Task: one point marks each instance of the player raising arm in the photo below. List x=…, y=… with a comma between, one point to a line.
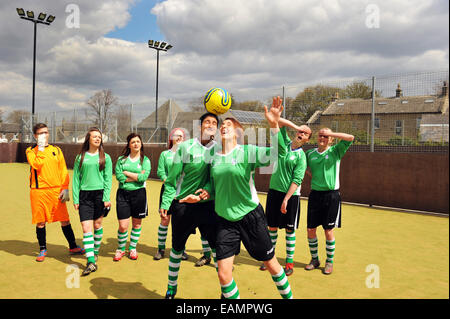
x=324, y=201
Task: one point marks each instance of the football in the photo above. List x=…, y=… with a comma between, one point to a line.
x=217, y=101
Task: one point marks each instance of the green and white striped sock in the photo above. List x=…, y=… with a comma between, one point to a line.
x=98, y=235
x=88, y=243
x=230, y=290
x=330, y=246
x=162, y=235
x=134, y=237
x=122, y=239
x=273, y=236
x=174, y=268
x=283, y=285
x=313, y=247
x=206, y=248
x=213, y=251
x=290, y=246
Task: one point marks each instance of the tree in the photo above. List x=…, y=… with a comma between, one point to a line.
x=358, y=90
x=15, y=117
x=101, y=104
x=311, y=99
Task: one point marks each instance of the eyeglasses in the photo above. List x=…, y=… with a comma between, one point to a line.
x=177, y=135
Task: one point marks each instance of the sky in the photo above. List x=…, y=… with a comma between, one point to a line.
x=252, y=48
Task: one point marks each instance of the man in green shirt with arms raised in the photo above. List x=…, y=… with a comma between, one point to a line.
x=324, y=202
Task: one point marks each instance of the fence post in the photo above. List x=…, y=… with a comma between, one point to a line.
x=372, y=118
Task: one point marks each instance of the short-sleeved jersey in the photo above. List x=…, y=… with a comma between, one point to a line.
x=165, y=163
x=289, y=168
x=189, y=171
x=90, y=178
x=47, y=168
x=232, y=179
x=132, y=166
x=325, y=166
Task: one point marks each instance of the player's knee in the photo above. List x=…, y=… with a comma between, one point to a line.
x=225, y=274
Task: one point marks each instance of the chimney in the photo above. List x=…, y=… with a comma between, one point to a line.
x=398, y=92
x=335, y=97
x=445, y=89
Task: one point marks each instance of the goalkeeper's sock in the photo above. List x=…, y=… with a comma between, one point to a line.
x=70, y=236
x=41, y=237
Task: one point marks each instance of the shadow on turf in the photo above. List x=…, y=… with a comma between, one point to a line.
x=58, y=252
x=104, y=287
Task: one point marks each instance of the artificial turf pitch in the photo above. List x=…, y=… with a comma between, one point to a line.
x=380, y=254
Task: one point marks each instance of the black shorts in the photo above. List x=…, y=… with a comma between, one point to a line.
x=169, y=212
x=187, y=217
x=275, y=218
x=324, y=208
x=91, y=205
x=251, y=230
x=131, y=203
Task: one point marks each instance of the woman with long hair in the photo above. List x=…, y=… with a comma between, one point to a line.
x=91, y=189
x=132, y=170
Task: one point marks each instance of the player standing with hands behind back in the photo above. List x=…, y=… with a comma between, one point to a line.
x=49, y=183
x=91, y=188
x=324, y=202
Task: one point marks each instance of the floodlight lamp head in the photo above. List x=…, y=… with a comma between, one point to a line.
x=50, y=19
x=42, y=16
x=150, y=43
x=20, y=12
x=169, y=47
x=30, y=14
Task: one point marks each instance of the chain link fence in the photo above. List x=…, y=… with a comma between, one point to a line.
x=406, y=112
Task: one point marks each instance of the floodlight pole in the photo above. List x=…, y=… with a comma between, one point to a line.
x=40, y=19
x=34, y=73
x=158, y=46
x=157, y=77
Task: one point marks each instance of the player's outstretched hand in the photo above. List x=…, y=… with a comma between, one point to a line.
x=273, y=115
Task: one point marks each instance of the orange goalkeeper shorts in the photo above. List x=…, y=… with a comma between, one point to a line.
x=46, y=207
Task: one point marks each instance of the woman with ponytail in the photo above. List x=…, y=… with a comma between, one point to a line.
x=132, y=170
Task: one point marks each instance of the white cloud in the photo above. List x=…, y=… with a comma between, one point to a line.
x=251, y=47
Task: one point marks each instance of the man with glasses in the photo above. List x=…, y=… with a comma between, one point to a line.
x=283, y=198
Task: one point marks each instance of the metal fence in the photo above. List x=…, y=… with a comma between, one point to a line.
x=384, y=113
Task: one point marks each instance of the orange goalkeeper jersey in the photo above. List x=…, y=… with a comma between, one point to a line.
x=48, y=168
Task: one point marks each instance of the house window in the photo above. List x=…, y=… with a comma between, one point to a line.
x=398, y=127
x=418, y=120
x=377, y=123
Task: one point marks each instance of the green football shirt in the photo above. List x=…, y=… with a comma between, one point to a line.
x=232, y=178
x=90, y=178
x=325, y=166
x=189, y=171
x=289, y=168
x=132, y=166
x=165, y=163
